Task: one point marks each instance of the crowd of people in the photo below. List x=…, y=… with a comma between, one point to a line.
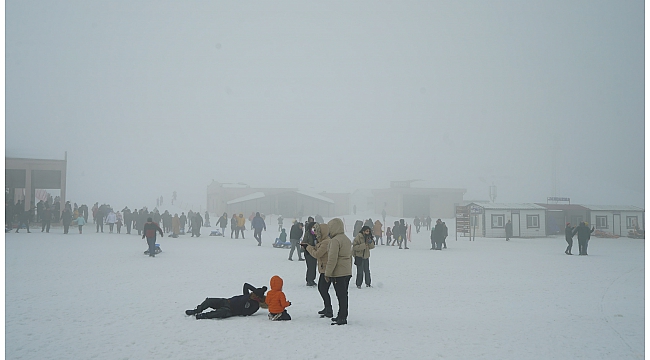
x=324, y=247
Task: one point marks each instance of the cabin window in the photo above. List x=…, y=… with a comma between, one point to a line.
x=497, y=221
x=532, y=221
x=632, y=222
x=601, y=222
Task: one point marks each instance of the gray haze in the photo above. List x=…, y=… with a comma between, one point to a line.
x=539, y=98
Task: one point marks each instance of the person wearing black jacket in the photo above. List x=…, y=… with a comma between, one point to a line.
x=437, y=235
x=66, y=218
x=258, y=225
x=46, y=218
x=126, y=215
x=196, y=222
x=403, y=230
x=584, y=234
x=99, y=218
x=223, y=224
x=310, y=261
x=239, y=305
x=294, y=236
x=149, y=231
x=508, y=230
x=23, y=218
x=568, y=235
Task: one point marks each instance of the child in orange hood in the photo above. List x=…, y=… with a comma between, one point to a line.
x=276, y=300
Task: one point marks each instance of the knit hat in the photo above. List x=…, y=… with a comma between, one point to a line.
x=260, y=291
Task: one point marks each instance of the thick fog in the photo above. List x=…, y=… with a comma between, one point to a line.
x=540, y=99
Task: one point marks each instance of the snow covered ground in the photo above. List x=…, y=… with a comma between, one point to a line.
x=96, y=296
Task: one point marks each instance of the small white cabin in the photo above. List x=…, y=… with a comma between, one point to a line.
x=616, y=219
x=489, y=219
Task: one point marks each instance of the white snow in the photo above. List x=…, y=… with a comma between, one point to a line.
x=96, y=296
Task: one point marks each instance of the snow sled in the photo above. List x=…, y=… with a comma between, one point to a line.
x=216, y=233
x=281, y=245
x=156, y=250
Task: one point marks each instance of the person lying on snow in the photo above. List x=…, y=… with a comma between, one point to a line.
x=240, y=305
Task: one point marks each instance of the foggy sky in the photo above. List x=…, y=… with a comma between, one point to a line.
x=539, y=98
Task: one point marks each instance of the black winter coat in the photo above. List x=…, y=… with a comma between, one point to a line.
x=296, y=232
x=568, y=232
x=583, y=232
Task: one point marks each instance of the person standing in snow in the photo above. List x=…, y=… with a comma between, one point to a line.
x=46, y=218
x=338, y=270
x=149, y=231
x=445, y=233
x=223, y=224
x=258, y=224
x=416, y=222
x=111, y=218
x=319, y=252
x=361, y=247
x=568, y=235
x=207, y=219
x=233, y=226
x=357, y=227
x=126, y=214
x=397, y=235
x=118, y=221
x=437, y=235
x=183, y=220
x=240, y=305
x=197, y=222
x=309, y=238
x=23, y=218
x=584, y=234
x=81, y=222
x=389, y=235
x=280, y=221
x=378, y=232
x=241, y=225
x=190, y=216
x=508, y=230
x=99, y=218
x=66, y=218
x=176, y=226
x=402, y=233
x=294, y=236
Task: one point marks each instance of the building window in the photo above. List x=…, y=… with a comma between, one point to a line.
x=497, y=221
x=532, y=221
x=601, y=222
x=632, y=222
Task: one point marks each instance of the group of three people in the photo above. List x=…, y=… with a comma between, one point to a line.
x=333, y=252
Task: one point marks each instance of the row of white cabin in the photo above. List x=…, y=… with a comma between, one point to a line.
x=538, y=220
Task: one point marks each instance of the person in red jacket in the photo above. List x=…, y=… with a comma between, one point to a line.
x=150, y=229
x=276, y=301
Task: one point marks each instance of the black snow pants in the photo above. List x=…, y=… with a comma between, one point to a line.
x=312, y=263
x=221, y=308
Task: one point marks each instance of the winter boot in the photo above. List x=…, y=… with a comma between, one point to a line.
x=326, y=313
x=340, y=321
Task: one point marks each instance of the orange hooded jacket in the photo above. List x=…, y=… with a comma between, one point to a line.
x=275, y=298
